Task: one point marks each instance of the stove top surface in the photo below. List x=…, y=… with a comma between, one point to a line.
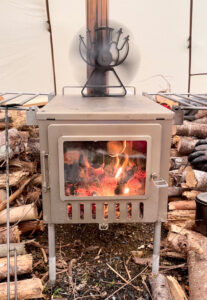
x=73, y=107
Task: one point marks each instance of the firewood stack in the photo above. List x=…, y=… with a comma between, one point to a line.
x=25, y=204
x=185, y=182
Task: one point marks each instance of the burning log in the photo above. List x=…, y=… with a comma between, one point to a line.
x=24, y=265
x=23, y=213
x=14, y=235
x=26, y=289
x=19, y=247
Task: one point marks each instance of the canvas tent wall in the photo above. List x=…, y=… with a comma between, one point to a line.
x=160, y=29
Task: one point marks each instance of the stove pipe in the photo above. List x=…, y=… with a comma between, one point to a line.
x=97, y=16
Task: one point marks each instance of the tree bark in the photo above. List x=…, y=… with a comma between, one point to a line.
x=201, y=114
x=201, y=120
x=14, y=235
x=26, y=289
x=17, y=193
x=186, y=145
x=19, y=247
x=14, y=178
x=177, y=162
x=23, y=213
x=160, y=287
x=174, y=191
x=181, y=215
x=16, y=145
x=183, y=205
x=24, y=265
x=176, y=290
x=196, y=179
x=31, y=226
x=191, y=129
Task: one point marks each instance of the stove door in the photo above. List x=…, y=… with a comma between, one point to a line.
x=103, y=161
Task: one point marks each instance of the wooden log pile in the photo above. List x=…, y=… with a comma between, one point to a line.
x=25, y=205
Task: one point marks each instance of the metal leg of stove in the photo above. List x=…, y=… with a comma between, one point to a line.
x=52, y=255
x=156, y=248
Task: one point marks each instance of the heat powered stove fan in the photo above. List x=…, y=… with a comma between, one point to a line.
x=103, y=54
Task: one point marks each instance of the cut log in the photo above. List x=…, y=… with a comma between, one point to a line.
x=201, y=120
x=190, y=195
x=19, y=247
x=33, y=148
x=31, y=226
x=174, y=191
x=176, y=290
x=177, y=162
x=186, y=145
x=26, y=289
x=191, y=129
x=187, y=224
x=183, y=205
x=160, y=287
x=29, y=166
x=14, y=235
x=16, y=145
x=14, y=178
x=181, y=215
x=37, y=181
x=24, y=265
x=20, y=213
x=201, y=114
x=17, y=193
x=174, y=152
x=2, y=195
x=177, y=176
x=196, y=179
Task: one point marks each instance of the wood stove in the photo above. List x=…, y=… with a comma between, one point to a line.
x=104, y=160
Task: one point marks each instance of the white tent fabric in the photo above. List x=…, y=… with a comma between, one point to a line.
x=25, y=54
x=160, y=29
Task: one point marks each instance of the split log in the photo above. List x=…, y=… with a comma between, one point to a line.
x=19, y=247
x=196, y=179
x=31, y=226
x=176, y=290
x=176, y=176
x=187, y=224
x=182, y=205
x=160, y=287
x=37, y=181
x=191, y=129
x=190, y=195
x=24, y=265
x=2, y=195
x=14, y=178
x=201, y=120
x=186, y=145
x=201, y=114
x=33, y=148
x=16, y=144
x=20, y=213
x=29, y=166
x=174, y=152
x=14, y=235
x=177, y=162
x=17, y=193
x=26, y=289
x=174, y=191
x=181, y=215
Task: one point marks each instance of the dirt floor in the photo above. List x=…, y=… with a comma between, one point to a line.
x=86, y=256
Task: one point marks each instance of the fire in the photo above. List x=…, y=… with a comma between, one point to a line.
x=120, y=169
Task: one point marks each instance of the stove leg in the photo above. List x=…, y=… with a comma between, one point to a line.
x=156, y=248
x=52, y=256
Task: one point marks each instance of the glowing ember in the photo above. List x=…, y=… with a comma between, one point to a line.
x=126, y=190
x=118, y=173
x=105, y=168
